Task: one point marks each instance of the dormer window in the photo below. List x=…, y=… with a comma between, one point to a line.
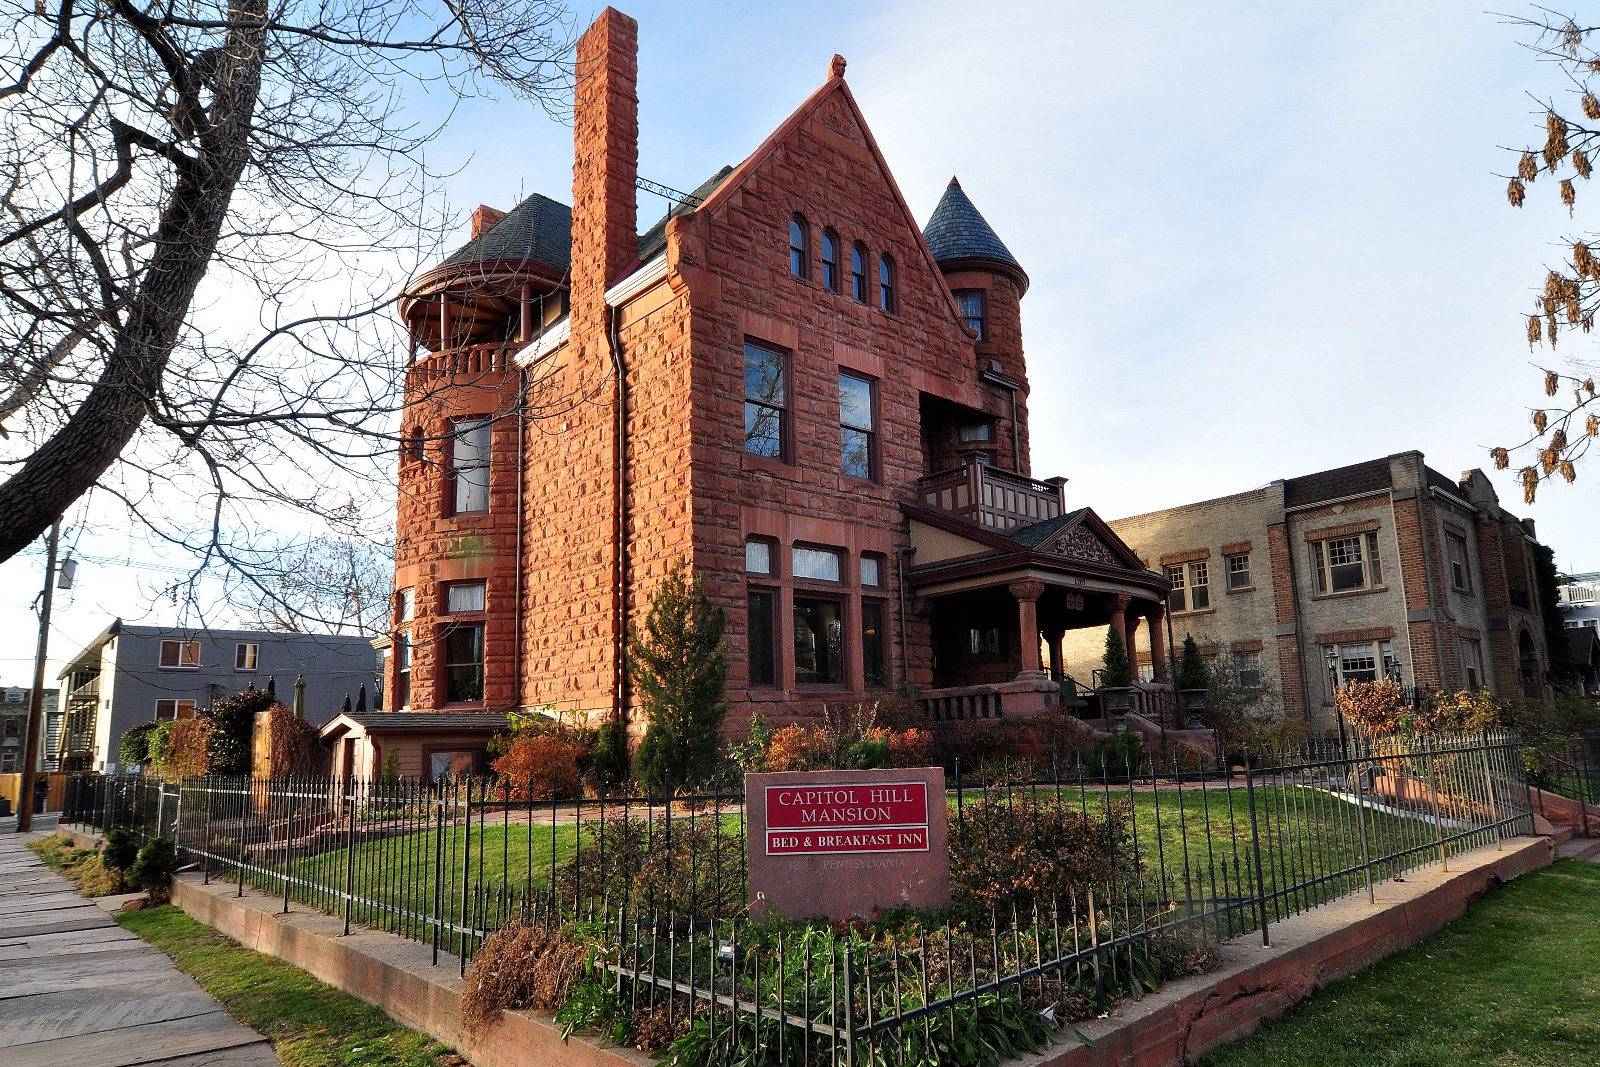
x=970, y=304
x=830, y=260
x=858, y=273
x=886, y=284
x=797, y=246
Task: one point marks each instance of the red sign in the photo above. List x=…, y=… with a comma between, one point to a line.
x=871, y=817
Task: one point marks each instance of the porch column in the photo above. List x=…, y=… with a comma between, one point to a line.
x=1028, y=594
x=1116, y=606
x=1158, y=641
x=1057, y=666
x=1130, y=637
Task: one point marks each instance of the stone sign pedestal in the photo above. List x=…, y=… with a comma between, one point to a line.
x=842, y=843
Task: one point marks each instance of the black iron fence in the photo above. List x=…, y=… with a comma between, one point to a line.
x=1069, y=890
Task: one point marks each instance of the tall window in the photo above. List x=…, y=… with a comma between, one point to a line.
x=1345, y=564
x=830, y=260
x=874, y=666
x=463, y=663
x=405, y=605
x=887, y=298
x=765, y=402
x=856, y=426
x=818, y=642
x=1460, y=575
x=762, y=604
x=1175, y=599
x=858, y=273
x=797, y=247
x=1199, y=587
x=970, y=303
x=1247, y=666
x=758, y=556
x=1471, y=664
x=1239, y=571
x=244, y=655
x=469, y=465
x=871, y=571
x=402, y=669
x=185, y=654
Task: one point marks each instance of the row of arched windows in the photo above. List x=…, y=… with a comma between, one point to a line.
x=834, y=276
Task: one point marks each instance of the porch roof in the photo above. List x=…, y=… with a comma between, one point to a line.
x=1076, y=550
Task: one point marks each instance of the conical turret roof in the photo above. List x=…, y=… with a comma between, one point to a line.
x=957, y=233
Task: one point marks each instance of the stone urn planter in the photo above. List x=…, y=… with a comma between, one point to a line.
x=1116, y=699
x=1193, y=702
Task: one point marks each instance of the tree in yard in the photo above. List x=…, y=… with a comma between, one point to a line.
x=1192, y=670
x=678, y=665
x=1118, y=671
x=1563, y=430
x=197, y=203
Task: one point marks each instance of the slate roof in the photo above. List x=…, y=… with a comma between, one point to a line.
x=956, y=230
x=1036, y=534
x=427, y=720
x=1581, y=641
x=538, y=230
x=1340, y=482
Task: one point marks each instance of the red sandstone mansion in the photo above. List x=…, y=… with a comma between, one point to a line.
x=822, y=406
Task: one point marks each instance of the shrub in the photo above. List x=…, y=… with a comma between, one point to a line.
x=96, y=879
x=1116, y=755
x=119, y=851
x=679, y=667
x=1016, y=848
x=157, y=742
x=847, y=739
x=1467, y=711
x=520, y=965
x=910, y=748
x=293, y=747
x=751, y=753
x=611, y=760
x=541, y=766
x=694, y=867
x=1118, y=671
x=233, y=720
x=1192, y=670
x=135, y=745
x=1374, y=708
x=157, y=863
x=593, y=1008
x=188, y=750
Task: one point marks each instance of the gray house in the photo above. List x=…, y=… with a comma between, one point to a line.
x=132, y=674
x=13, y=727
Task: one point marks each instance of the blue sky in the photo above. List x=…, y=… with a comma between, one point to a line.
x=1264, y=239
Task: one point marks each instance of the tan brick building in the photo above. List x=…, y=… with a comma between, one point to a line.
x=1341, y=574
x=821, y=405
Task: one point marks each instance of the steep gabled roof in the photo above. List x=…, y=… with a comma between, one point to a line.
x=957, y=232
x=654, y=239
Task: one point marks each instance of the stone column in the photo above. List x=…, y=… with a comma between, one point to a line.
x=1053, y=639
x=1156, y=616
x=1130, y=637
x=1028, y=594
x=1117, y=606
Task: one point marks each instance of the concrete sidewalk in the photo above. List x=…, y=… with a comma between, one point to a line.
x=76, y=990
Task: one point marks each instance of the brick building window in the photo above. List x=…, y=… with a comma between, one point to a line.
x=766, y=411
x=856, y=426
x=1460, y=574
x=887, y=295
x=1346, y=564
x=182, y=654
x=815, y=564
x=970, y=303
x=976, y=433
x=874, y=664
x=245, y=654
x=830, y=260
x=1247, y=668
x=1239, y=571
x=405, y=605
x=985, y=642
x=763, y=616
x=167, y=710
x=1199, y=586
x=1175, y=599
x=758, y=556
x=463, y=597
x=799, y=257
x=469, y=466
x=402, y=669
x=858, y=273
x=1471, y=664
x=818, y=641
x=871, y=571
x=463, y=664
x=1360, y=661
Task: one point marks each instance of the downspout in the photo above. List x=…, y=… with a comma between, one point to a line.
x=900, y=560
x=619, y=625
x=1016, y=435
x=522, y=411
x=1299, y=623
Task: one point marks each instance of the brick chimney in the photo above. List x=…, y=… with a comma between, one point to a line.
x=484, y=218
x=605, y=164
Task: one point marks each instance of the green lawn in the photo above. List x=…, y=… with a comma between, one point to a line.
x=310, y=1024
x=1511, y=983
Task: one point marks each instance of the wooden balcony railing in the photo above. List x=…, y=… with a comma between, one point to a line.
x=989, y=496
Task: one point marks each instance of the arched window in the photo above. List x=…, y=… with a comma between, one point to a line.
x=858, y=273
x=886, y=293
x=798, y=253
x=830, y=260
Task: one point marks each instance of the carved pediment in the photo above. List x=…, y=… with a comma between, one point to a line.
x=1079, y=543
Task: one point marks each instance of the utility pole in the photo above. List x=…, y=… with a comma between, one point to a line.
x=30, y=744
